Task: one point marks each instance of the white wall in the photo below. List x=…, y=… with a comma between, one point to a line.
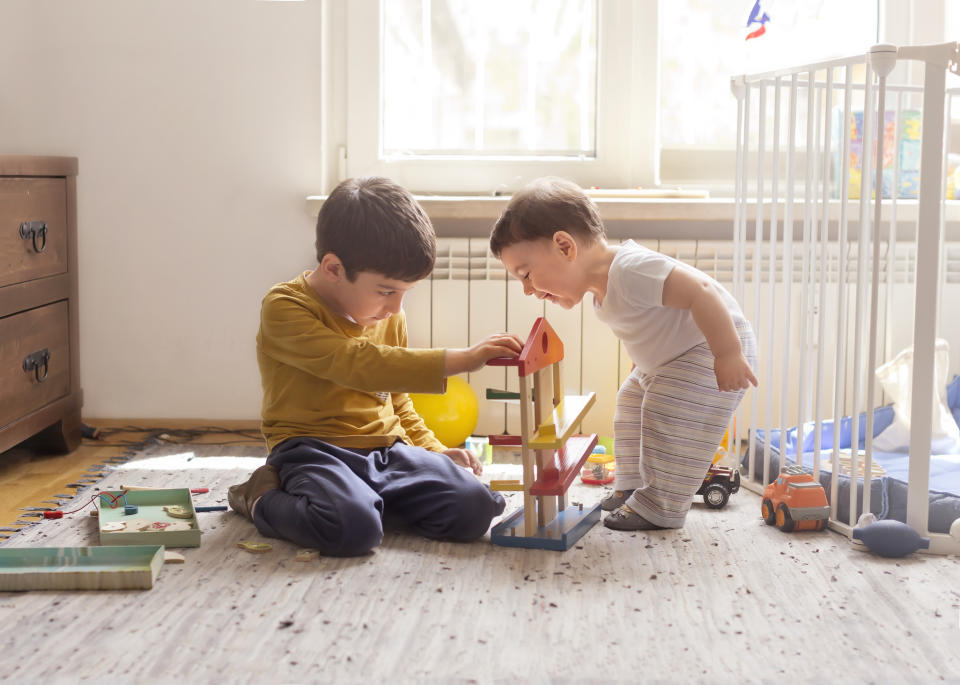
x=197, y=124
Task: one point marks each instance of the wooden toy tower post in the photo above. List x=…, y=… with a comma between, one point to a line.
x=552, y=455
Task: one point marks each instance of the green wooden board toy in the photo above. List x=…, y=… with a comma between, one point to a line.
x=79, y=568
x=162, y=517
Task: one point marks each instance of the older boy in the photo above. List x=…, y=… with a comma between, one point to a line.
x=692, y=348
x=346, y=446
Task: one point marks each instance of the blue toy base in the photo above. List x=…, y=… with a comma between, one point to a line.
x=560, y=534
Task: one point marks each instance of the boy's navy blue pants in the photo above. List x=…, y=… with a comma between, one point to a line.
x=335, y=499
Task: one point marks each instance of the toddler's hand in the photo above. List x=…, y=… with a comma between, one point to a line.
x=733, y=372
x=465, y=458
x=475, y=356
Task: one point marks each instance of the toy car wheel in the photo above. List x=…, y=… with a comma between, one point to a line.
x=784, y=521
x=715, y=496
x=767, y=512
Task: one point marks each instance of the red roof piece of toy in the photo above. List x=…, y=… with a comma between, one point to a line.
x=543, y=348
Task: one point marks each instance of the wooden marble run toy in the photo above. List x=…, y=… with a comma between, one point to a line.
x=551, y=455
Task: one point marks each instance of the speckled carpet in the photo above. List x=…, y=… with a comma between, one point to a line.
x=725, y=599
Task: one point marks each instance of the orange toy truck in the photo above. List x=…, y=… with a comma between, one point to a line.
x=795, y=501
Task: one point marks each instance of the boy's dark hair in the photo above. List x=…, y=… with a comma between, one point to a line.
x=373, y=224
x=541, y=209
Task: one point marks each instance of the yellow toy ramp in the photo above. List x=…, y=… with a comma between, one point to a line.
x=556, y=430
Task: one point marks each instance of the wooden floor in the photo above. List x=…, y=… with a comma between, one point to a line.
x=28, y=478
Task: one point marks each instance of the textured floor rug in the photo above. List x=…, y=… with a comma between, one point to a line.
x=725, y=599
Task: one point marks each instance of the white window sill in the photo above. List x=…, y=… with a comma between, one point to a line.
x=676, y=218
x=474, y=216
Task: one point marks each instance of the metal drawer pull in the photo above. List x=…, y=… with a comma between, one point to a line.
x=32, y=229
x=33, y=362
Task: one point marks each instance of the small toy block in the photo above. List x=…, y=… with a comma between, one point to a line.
x=178, y=512
x=559, y=535
x=554, y=432
x=503, y=395
x=173, y=557
x=306, y=554
x=502, y=485
x=543, y=348
x=506, y=440
x=556, y=476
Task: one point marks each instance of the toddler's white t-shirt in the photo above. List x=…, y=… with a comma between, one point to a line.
x=652, y=333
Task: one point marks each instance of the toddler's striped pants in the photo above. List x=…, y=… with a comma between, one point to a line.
x=667, y=427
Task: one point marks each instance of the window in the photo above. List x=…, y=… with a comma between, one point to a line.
x=459, y=96
x=708, y=45
x=463, y=96
x=502, y=78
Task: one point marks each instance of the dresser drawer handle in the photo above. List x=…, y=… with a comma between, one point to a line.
x=33, y=230
x=33, y=362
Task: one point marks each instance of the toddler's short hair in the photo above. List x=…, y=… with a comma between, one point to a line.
x=373, y=224
x=541, y=209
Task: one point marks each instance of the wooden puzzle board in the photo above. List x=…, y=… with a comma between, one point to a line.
x=152, y=524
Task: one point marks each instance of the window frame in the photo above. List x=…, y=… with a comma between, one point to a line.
x=626, y=127
x=629, y=34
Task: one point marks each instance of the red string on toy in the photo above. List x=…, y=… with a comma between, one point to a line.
x=113, y=504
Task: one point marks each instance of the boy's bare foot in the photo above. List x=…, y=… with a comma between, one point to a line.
x=243, y=496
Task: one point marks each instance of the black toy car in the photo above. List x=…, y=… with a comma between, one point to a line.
x=719, y=483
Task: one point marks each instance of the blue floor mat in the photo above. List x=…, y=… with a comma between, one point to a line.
x=888, y=493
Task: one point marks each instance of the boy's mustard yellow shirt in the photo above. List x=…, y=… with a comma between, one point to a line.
x=327, y=377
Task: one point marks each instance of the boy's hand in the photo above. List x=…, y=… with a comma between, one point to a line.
x=472, y=358
x=733, y=372
x=465, y=458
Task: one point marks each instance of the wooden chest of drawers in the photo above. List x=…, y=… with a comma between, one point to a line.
x=40, y=393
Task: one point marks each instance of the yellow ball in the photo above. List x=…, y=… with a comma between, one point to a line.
x=451, y=416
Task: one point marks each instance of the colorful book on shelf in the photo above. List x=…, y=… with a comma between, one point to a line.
x=908, y=178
